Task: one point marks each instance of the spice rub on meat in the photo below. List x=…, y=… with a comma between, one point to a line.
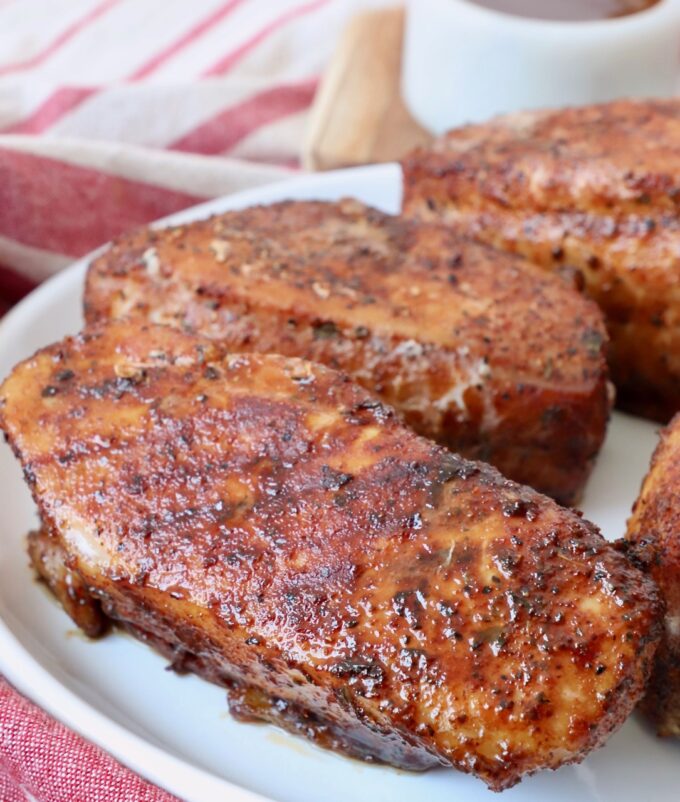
x=474, y=348
x=653, y=540
x=277, y=529
x=595, y=188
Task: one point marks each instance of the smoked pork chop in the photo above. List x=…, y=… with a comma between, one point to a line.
x=476, y=349
x=594, y=188
x=275, y=528
x=653, y=540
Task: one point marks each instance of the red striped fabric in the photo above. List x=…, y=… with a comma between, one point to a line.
x=71, y=210
x=67, y=99
x=223, y=131
x=9, y=791
x=231, y=59
x=186, y=39
x=43, y=761
x=62, y=39
x=52, y=110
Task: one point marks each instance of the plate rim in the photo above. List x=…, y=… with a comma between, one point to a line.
x=23, y=671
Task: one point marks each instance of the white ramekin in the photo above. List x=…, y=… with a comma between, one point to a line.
x=464, y=63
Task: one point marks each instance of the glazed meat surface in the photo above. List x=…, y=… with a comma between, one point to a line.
x=277, y=529
x=50, y=561
x=593, y=188
x=653, y=539
x=476, y=349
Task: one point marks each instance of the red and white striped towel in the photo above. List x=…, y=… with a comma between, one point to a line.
x=109, y=110
x=114, y=113
x=43, y=761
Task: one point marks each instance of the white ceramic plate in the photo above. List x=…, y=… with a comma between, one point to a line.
x=176, y=730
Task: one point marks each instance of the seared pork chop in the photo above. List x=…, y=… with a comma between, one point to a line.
x=476, y=349
x=594, y=188
x=275, y=528
x=653, y=539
